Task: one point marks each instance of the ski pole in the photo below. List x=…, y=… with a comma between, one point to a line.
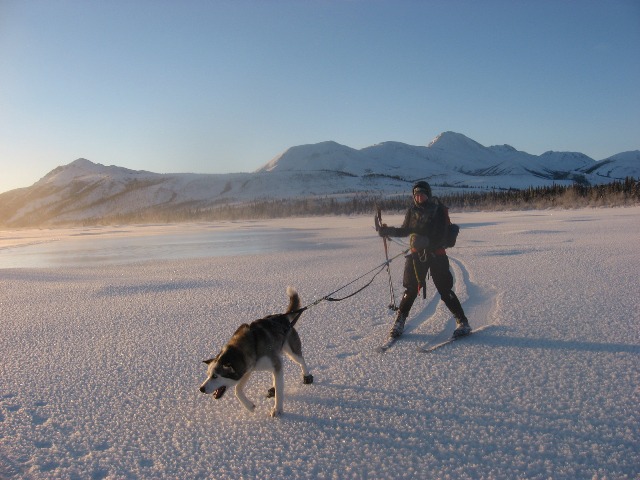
x=378, y=223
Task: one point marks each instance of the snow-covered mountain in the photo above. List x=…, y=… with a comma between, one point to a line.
x=621, y=165
x=447, y=156
x=83, y=191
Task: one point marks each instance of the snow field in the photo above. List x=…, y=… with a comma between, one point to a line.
x=101, y=364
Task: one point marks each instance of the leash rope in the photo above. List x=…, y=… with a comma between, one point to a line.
x=329, y=296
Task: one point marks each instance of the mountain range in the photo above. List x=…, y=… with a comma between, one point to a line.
x=86, y=192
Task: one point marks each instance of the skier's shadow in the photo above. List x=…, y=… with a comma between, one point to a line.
x=502, y=339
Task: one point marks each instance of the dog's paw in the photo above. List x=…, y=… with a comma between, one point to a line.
x=276, y=412
x=307, y=379
x=271, y=392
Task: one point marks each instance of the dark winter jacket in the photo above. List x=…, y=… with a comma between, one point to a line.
x=429, y=219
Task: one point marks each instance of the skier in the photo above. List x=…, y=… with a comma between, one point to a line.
x=425, y=223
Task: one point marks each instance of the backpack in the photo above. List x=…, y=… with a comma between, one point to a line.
x=451, y=234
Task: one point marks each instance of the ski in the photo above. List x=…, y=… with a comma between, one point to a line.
x=387, y=345
x=431, y=347
x=435, y=346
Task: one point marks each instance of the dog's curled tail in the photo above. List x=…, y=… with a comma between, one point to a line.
x=294, y=299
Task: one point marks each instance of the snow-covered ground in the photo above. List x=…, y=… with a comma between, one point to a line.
x=101, y=361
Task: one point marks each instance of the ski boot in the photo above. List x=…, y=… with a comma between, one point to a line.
x=398, y=325
x=462, y=328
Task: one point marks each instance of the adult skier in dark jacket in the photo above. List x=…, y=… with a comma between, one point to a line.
x=426, y=223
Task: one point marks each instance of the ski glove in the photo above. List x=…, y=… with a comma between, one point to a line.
x=418, y=242
x=385, y=231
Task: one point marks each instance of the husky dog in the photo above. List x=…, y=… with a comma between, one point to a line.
x=258, y=346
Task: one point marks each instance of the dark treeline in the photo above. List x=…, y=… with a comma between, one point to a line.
x=619, y=193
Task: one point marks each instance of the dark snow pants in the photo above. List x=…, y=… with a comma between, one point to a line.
x=415, y=274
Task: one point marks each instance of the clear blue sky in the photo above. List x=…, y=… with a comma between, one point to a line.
x=224, y=86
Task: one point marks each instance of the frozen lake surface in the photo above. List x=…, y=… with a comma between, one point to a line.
x=102, y=246
x=102, y=352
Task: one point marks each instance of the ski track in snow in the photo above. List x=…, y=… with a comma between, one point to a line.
x=481, y=305
x=101, y=364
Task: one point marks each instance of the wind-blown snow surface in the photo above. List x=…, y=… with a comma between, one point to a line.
x=101, y=363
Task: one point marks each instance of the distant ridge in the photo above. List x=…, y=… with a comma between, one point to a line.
x=86, y=192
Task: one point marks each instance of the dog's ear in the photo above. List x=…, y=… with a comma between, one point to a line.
x=208, y=361
x=229, y=367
